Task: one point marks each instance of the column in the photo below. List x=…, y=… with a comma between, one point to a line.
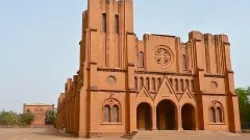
x=154, y=118
x=179, y=118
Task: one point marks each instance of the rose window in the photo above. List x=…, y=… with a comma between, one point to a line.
x=162, y=57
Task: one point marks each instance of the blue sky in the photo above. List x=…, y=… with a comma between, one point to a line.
x=39, y=40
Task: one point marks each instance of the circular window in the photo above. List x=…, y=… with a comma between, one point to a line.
x=111, y=79
x=110, y=101
x=214, y=84
x=163, y=56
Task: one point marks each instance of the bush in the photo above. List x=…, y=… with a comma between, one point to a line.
x=8, y=118
x=11, y=118
x=51, y=117
x=26, y=118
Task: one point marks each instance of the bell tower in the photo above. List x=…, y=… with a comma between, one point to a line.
x=105, y=25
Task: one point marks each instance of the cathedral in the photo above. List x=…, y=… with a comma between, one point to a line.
x=124, y=84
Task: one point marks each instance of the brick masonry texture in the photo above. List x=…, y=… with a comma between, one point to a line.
x=124, y=84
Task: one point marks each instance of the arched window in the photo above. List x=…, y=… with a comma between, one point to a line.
x=115, y=113
x=141, y=82
x=116, y=24
x=106, y=115
x=147, y=83
x=219, y=115
x=182, y=85
x=187, y=84
x=104, y=22
x=111, y=111
x=153, y=84
x=176, y=85
x=141, y=59
x=159, y=82
x=212, y=114
x=184, y=62
x=136, y=83
x=217, y=111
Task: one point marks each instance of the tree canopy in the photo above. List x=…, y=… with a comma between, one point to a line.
x=51, y=117
x=244, y=105
x=27, y=118
x=12, y=118
x=8, y=118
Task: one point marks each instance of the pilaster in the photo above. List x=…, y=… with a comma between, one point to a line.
x=197, y=43
x=128, y=105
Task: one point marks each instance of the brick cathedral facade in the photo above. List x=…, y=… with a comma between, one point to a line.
x=159, y=83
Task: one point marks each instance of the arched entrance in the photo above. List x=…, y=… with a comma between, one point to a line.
x=144, y=120
x=188, y=117
x=166, y=115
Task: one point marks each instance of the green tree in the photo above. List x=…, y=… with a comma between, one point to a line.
x=51, y=117
x=26, y=118
x=8, y=118
x=244, y=105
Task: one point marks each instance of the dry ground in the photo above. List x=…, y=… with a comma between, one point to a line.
x=36, y=134
x=53, y=134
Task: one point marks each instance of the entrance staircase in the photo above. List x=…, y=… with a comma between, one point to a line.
x=129, y=135
x=181, y=135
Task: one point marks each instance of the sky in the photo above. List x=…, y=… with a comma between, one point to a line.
x=39, y=40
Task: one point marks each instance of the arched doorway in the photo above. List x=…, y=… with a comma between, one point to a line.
x=144, y=121
x=188, y=117
x=166, y=115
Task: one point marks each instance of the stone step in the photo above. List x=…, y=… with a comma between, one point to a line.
x=170, y=134
x=129, y=135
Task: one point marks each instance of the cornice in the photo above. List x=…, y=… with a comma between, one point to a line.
x=162, y=35
x=217, y=94
x=130, y=33
x=111, y=70
x=164, y=73
x=131, y=64
x=107, y=90
x=93, y=63
x=92, y=29
x=214, y=75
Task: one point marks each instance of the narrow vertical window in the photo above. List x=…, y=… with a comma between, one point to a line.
x=104, y=23
x=147, y=83
x=106, y=114
x=153, y=84
x=187, y=84
x=115, y=114
x=212, y=114
x=159, y=82
x=141, y=82
x=136, y=83
x=192, y=85
x=141, y=59
x=207, y=53
x=176, y=85
x=219, y=115
x=116, y=24
x=184, y=62
x=182, y=85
